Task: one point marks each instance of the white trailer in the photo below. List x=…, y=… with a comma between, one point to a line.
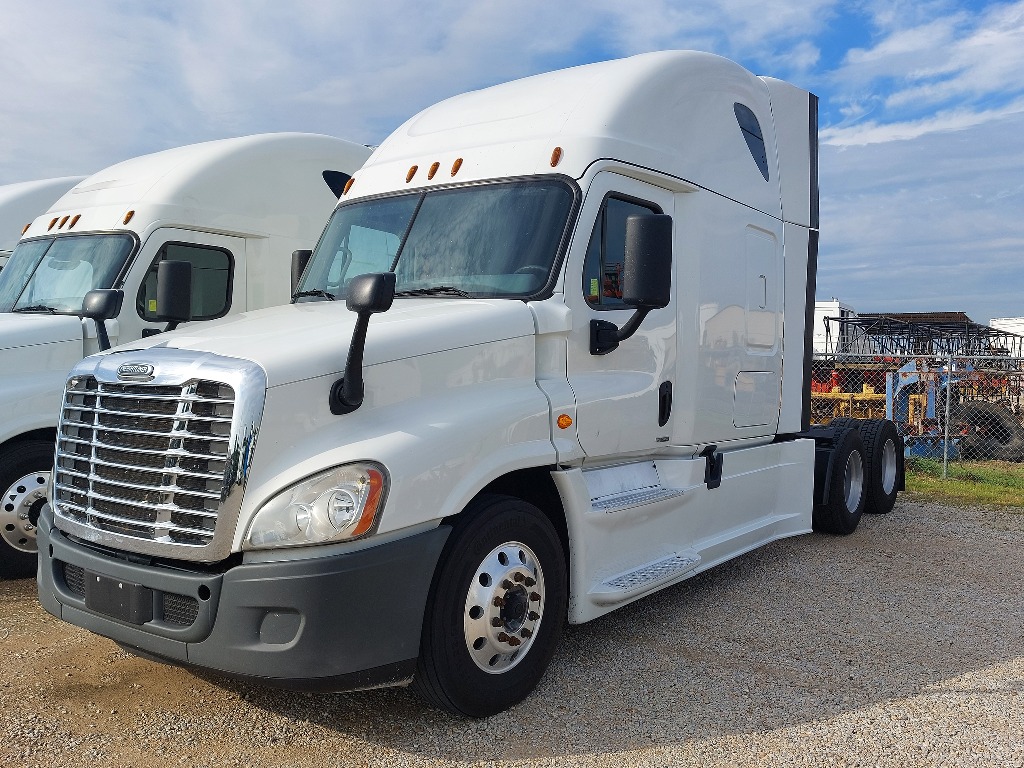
x=22, y=202
x=233, y=209
x=587, y=379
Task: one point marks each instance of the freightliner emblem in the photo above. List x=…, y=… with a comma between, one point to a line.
x=136, y=371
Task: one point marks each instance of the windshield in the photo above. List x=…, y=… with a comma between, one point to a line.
x=54, y=274
x=496, y=240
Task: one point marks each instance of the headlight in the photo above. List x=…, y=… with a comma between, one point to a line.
x=339, y=504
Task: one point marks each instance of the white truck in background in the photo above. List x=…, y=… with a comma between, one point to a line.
x=234, y=209
x=587, y=379
x=20, y=203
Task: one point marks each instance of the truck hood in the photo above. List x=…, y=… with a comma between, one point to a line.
x=28, y=330
x=295, y=342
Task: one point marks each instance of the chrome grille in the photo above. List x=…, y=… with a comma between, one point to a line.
x=147, y=462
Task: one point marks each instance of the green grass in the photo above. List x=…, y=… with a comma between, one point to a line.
x=969, y=483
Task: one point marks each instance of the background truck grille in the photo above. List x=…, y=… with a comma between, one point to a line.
x=148, y=462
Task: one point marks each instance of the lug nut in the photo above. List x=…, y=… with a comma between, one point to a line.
x=525, y=632
x=518, y=576
x=503, y=638
x=533, y=615
x=499, y=601
x=529, y=582
x=496, y=621
x=514, y=641
x=506, y=584
x=535, y=597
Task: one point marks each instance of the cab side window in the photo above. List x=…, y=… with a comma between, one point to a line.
x=211, y=281
x=602, y=270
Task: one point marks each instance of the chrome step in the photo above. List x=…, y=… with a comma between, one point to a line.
x=635, y=498
x=631, y=583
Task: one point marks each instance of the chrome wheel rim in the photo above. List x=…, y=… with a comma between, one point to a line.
x=888, y=467
x=853, y=481
x=504, y=607
x=19, y=510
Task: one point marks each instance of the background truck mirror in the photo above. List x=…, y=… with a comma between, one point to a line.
x=174, y=292
x=299, y=261
x=102, y=304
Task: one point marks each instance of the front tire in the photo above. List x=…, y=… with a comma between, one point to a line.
x=495, y=611
x=24, y=475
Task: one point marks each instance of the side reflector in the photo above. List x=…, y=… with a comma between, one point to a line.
x=128, y=217
x=564, y=421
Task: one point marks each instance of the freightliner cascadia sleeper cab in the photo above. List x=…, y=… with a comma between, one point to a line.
x=549, y=356
x=233, y=209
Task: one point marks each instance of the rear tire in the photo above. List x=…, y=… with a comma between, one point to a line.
x=25, y=469
x=844, y=504
x=883, y=464
x=495, y=611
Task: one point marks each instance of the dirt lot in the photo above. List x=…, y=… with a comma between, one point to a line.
x=899, y=645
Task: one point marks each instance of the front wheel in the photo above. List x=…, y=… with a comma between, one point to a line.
x=24, y=475
x=495, y=611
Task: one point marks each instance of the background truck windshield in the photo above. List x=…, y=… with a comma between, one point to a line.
x=54, y=274
x=497, y=240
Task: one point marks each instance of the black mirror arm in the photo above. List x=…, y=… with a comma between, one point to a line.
x=605, y=336
x=101, y=334
x=347, y=392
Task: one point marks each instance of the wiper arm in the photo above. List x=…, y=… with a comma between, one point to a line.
x=315, y=292
x=36, y=308
x=437, y=290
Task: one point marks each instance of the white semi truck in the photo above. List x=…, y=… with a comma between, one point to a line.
x=549, y=356
x=22, y=202
x=234, y=209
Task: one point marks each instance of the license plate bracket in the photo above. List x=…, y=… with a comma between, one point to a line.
x=118, y=599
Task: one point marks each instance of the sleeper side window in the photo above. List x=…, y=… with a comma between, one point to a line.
x=751, y=130
x=606, y=254
x=211, y=281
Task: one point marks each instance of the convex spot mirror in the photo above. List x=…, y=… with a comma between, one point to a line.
x=102, y=304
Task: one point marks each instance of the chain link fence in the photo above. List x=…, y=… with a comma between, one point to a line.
x=947, y=407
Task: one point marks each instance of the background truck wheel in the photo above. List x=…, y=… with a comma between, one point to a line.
x=495, y=610
x=883, y=461
x=841, y=511
x=24, y=474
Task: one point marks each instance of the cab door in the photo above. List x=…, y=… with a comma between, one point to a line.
x=218, y=279
x=625, y=397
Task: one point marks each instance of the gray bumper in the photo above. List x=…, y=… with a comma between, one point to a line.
x=331, y=623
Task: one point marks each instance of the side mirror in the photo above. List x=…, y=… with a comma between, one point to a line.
x=102, y=304
x=299, y=261
x=646, y=279
x=367, y=295
x=174, y=292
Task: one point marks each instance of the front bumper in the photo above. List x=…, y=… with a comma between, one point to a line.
x=338, y=622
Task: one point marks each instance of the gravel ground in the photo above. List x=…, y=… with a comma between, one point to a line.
x=899, y=645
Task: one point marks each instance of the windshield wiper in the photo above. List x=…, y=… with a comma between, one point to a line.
x=315, y=292
x=437, y=290
x=36, y=308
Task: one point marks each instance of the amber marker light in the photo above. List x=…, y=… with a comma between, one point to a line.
x=376, y=481
x=411, y=173
x=432, y=171
x=53, y=223
x=74, y=220
x=128, y=217
x=556, y=156
x=63, y=221
x=25, y=228
x=456, y=165
x=348, y=185
x=564, y=421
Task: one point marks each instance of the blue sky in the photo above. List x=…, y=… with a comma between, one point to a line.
x=922, y=102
